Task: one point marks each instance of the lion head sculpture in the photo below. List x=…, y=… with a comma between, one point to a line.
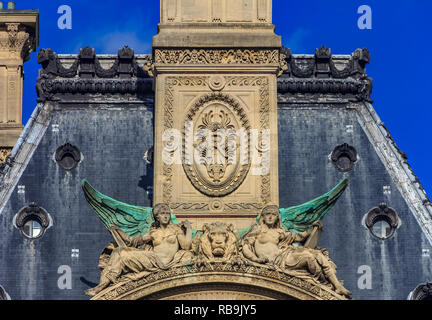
x=218, y=242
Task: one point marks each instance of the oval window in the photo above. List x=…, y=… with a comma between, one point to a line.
x=68, y=157
x=32, y=221
x=382, y=221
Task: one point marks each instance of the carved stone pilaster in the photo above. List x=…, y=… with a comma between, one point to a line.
x=18, y=38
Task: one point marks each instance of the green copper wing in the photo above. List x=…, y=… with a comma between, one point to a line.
x=299, y=218
x=134, y=220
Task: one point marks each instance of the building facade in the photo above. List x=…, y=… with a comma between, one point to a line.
x=104, y=118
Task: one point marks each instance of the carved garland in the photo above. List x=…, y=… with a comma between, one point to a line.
x=171, y=82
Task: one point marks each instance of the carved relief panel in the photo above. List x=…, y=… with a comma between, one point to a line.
x=216, y=143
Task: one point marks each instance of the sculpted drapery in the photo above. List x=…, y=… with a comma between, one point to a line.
x=150, y=240
x=269, y=244
x=165, y=245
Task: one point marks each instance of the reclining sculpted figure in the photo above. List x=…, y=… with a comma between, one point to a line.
x=143, y=249
x=277, y=245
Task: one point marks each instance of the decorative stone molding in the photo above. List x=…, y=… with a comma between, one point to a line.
x=49, y=89
x=217, y=56
x=259, y=84
x=314, y=75
x=322, y=64
x=32, y=212
x=18, y=40
x=324, y=73
x=263, y=282
x=86, y=75
x=422, y=292
x=68, y=157
x=382, y=213
x=353, y=90
x=233, y=119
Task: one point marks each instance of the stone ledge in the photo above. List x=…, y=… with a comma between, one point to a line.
x=259, y=281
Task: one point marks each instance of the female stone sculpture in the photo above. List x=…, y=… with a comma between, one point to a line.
x=270, y=244
x=149, y=241
x=167, y=245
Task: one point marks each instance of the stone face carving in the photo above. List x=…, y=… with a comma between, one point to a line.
x=52, y=67
x=168, y=245
x=270, y=244
x=218, y=243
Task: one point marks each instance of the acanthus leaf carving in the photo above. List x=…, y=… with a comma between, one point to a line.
x=217, y=56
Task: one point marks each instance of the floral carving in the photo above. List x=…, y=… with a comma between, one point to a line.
x=216, y=56
x=216, y=114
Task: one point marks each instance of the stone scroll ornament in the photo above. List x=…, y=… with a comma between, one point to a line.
x=148, y=240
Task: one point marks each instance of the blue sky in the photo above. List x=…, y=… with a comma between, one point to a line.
x=399, y=43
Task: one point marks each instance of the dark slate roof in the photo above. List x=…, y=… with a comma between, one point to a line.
x=318, y=95
x=325, y=77
x=321, y=78
x=91, y=77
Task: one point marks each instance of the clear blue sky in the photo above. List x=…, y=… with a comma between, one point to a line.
x=399, y=42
